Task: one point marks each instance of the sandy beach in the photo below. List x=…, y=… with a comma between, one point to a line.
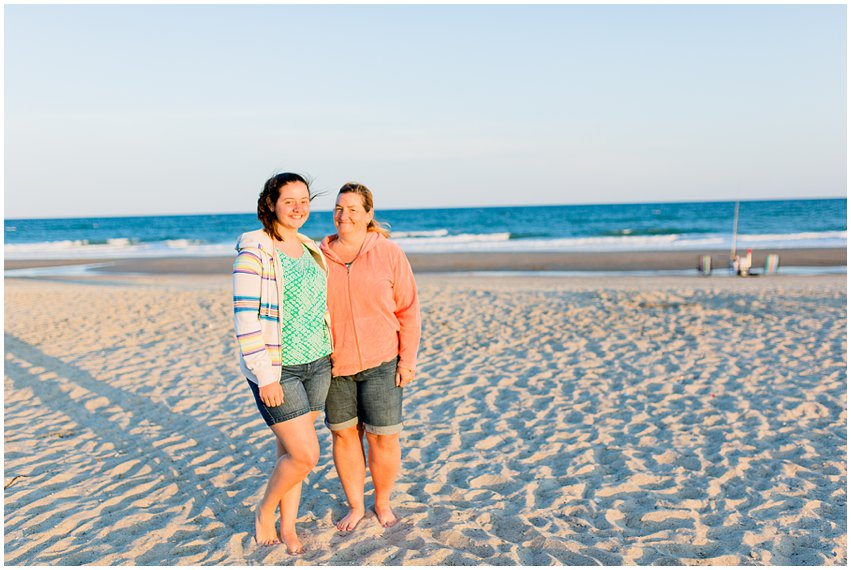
x=482, y=261
x=554, y=421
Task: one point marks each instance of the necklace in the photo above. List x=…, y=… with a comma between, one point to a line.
x=349, y=263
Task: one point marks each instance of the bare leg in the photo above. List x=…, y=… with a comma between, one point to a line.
x=385, y=458
x=298, y=438
x=289, y=514
x=351, y=468
x=263, y=528
x=289, y=508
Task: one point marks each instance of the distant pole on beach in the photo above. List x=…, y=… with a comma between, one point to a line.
x=735, y=231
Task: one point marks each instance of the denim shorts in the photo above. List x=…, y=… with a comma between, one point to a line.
x=370, y=397
x=305, y=387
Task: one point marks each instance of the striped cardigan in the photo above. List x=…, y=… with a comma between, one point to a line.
x=257, y=295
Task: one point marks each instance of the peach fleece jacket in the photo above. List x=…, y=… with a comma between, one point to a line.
x=375, y=314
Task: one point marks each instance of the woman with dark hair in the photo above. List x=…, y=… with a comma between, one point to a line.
x=283, y=329
x=372, y=297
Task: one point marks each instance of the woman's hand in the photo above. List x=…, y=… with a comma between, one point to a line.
x=272, y=395
x=403, y=376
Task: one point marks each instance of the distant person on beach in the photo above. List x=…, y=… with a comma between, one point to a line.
x=375, y=317
x=284, y=348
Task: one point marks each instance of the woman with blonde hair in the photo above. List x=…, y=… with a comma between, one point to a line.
x=283, y=330
x=372, y=298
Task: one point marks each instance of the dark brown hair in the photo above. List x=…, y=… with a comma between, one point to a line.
x=368, y=205
x=269, y=197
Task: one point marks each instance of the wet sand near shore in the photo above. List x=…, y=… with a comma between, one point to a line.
x=487, y=261
x=553, y=421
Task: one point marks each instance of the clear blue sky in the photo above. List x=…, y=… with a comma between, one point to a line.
x=122, y=110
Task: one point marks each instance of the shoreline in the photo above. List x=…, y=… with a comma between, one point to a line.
x=475, y=262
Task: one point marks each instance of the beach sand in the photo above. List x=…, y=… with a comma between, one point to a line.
x=484, y=261
x=658, y=420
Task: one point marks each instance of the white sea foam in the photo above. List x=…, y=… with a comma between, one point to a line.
x=804, y=236
x=458, y=242
x=182, y=243
x=501, y=243
x=114, y=249
x=119, y=242
x=419, y=234
x=437, y=242
x=44, y=249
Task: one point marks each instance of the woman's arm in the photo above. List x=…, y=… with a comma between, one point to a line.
x=247, y=280
x=408, y=314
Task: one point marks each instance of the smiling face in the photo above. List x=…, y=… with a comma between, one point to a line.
x=293, y=206
x=350, y=216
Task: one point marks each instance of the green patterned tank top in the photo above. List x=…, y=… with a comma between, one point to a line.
x=305, y=336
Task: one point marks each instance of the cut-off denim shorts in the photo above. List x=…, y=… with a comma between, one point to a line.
x=305, y=387
x=370, y=397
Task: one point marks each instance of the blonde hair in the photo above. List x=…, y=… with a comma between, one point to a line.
x=368, y=205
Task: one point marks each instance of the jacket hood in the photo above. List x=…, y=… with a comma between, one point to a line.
x=369, y=242
x=259, y=239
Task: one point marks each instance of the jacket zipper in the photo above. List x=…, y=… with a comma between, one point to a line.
x=352, y=312
x=279, y=287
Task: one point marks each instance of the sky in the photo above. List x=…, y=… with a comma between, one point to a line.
x=165, y=109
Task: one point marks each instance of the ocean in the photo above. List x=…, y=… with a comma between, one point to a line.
x=769, y=224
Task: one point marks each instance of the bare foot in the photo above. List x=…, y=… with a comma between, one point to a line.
x=264, y=528
x=351, y=520
x=386, y=518
x=290, y=538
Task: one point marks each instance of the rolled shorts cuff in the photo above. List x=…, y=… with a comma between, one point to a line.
x=342, y=425
x=383, y=430
x=287, y=417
